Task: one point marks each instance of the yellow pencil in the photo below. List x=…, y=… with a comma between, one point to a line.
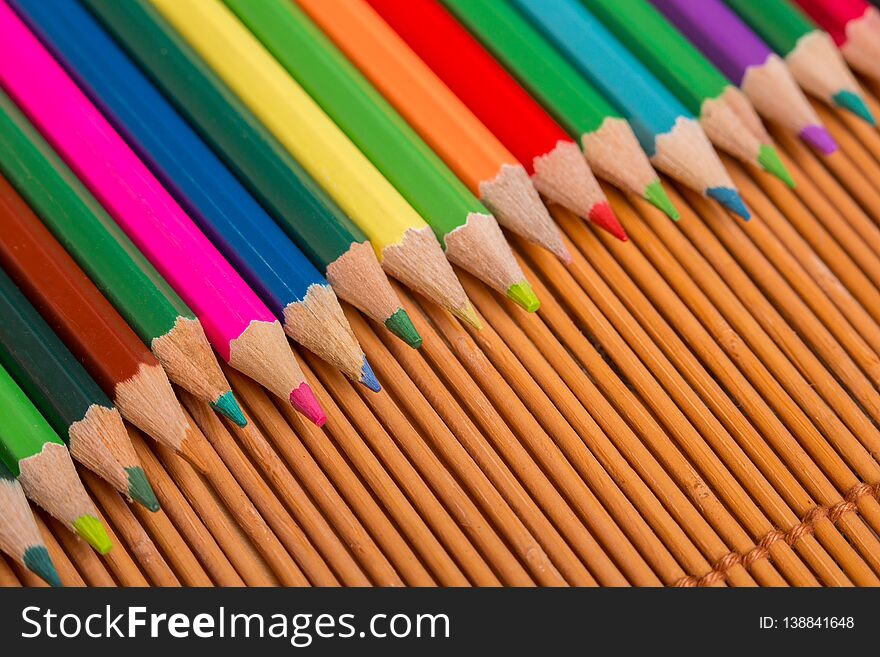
x=404, y=243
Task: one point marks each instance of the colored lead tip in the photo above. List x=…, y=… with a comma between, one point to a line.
x=855, y=104
x=91, y=529
x=469, y=315
x=401, y=325
x=603, y=216
x=37, y=560
x=730, y=199
x=819, y=138
x=369, y=379
x=656, y=196
x=139, y=489
x=303, y=399
x=523, y=296
x=227, y=405
x=769, y=160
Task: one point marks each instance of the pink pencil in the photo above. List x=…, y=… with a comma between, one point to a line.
x=239, y=326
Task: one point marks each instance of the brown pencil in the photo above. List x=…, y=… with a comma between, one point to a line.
x=494, y=506
x=186, y=521
x=342, y=496
x=285, y=527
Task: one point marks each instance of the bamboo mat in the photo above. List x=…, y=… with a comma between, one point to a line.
x=697, y=407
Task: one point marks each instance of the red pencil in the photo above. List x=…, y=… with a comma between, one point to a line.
x=855, y=27
x=555, y=163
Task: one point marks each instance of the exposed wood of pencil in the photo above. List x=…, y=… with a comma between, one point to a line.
x=88, y=564
x=841, y=241
x=787, y=341
x=865, y=134
x=453, y=558
x=732, y=342
x=647, y=426
x=754, y=402
x=247, y=561
x=491, y=444
x=131, y=531
x=630, y=444
x=323, y=490
x=523, y=543
x=589, y=482
x=186, y=521
x=8, y=578
x=66, y=570
x=283, y=524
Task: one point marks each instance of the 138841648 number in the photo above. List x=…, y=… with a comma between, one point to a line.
x=818, y=622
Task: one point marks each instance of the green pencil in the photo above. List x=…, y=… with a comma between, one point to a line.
x=725, y=113
x=609, y=143
x=337, y=247
x=468, y=232
x=810, y=53
x=149, y=305
x=19, y=536
x=63, y=392
x=39, y=460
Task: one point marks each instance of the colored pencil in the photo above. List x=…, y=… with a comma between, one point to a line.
x=72, y=403
x=672, y=138
x=749, y=63
x=19, y=536
x=557, y=167
x=469, y=234
x=91, y=328
x=855, y=27
x=727, y=117
x=239, y=326
x=404, y=243
x=308, y=215
x=608, y=141
x=37, y=458
x=469, y=148
x=250, y=240
x=117, y=268
x=810, y=52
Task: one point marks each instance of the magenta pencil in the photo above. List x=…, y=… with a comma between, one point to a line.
x=750, y=64
x=240, y=327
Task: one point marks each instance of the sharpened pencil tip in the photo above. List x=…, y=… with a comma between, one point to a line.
x=769, y=161
x=855, y=104
x=603, y=216
x=227, y=405
x=91, y=529
x=819, y=138
x=303, y=399
x=730, y=199
x=524, y=296
x=139, y=489
x=37, y=560
x=469, y=315
x=368, y=378
x=656, y=195
x=401, y=325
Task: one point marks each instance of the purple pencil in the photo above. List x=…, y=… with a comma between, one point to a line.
x=749, y=63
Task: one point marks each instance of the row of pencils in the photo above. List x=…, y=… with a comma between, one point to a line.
x=181, y=179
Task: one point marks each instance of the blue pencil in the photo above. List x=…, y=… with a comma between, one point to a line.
x=670, y=135
x=238, y=226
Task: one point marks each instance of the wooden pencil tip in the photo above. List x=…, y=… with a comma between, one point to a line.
x=139, y=489
x=37, y=560
x=401, y=325
x=603, y=216
x=93, y=532
x=854, y=103
x=368, y=378
x=656, y=195
x=303, y=400
x=189, y=451
x=227, y=405
x=769, y=161
x=524, y=296
x=469, y=315
x=819, y=138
